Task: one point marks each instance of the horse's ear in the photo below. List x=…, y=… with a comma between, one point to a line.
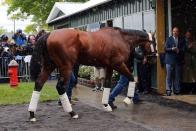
x=153, y=35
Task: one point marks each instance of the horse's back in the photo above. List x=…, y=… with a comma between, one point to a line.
x=94, y=48
x=101, y=46
x=63, y=44
x=62, y=35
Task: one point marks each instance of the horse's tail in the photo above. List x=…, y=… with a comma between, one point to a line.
x=40, y=57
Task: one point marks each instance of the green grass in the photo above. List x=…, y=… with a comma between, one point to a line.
x=22, y=94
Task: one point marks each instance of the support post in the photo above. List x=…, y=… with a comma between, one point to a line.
x=160, y=33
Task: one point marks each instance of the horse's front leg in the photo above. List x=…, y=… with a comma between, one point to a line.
x=65, y=76
x=106, y=91
x=36, y=93
x=123, y=69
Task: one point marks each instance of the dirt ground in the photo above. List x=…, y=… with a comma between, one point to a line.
x=155, y=113
x=51, y=117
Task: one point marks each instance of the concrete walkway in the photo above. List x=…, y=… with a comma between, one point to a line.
x=153, y=113
x=190, y=99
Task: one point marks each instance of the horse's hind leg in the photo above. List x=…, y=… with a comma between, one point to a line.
x=132, y=84
x=65, y=73
x=36, y=93
x=106, y=91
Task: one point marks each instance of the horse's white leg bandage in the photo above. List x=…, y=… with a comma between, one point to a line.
x=34, y=101
x=106, y=93
x=130, y=93
x=65, y=102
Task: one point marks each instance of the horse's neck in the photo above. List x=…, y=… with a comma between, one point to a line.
x=139, y=42
x=135, y=43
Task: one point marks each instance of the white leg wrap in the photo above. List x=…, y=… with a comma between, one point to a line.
x=106, y=93
x=131, y=89
x=34, y=101
x=65, y=102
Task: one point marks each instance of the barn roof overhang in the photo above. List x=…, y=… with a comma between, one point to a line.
x=71, y=8
x=65, y=7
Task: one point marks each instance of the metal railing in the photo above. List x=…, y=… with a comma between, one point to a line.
x=4, y=61
x=23, y=68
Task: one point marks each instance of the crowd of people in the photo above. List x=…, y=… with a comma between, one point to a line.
x=20, y=45
x=20, y=48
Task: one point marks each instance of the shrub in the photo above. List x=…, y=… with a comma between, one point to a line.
x=85, y=72
x=115, y=76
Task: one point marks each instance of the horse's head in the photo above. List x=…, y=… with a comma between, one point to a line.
x=148, y=44
x=139, y=38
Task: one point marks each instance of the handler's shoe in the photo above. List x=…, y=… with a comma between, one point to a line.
x=168, y=93
x=101, y=89
x=96, y=88
x=127, y=101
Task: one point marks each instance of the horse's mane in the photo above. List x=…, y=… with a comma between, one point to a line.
x=132, y=32
x=40, y=57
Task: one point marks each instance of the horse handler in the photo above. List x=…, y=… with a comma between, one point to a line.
x=121, y=84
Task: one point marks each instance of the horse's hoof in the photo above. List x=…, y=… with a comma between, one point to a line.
x=75, y=116
x=127, y=101
x=32, y=116
x=107, y=107
x=32, y=119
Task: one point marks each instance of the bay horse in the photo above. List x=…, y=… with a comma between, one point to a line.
x=108, y=47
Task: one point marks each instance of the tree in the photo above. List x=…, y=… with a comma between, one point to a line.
x=39, y=9
x=30, y=29
x=2, y=30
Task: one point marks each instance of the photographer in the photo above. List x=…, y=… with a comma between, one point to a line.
x=19, y=38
